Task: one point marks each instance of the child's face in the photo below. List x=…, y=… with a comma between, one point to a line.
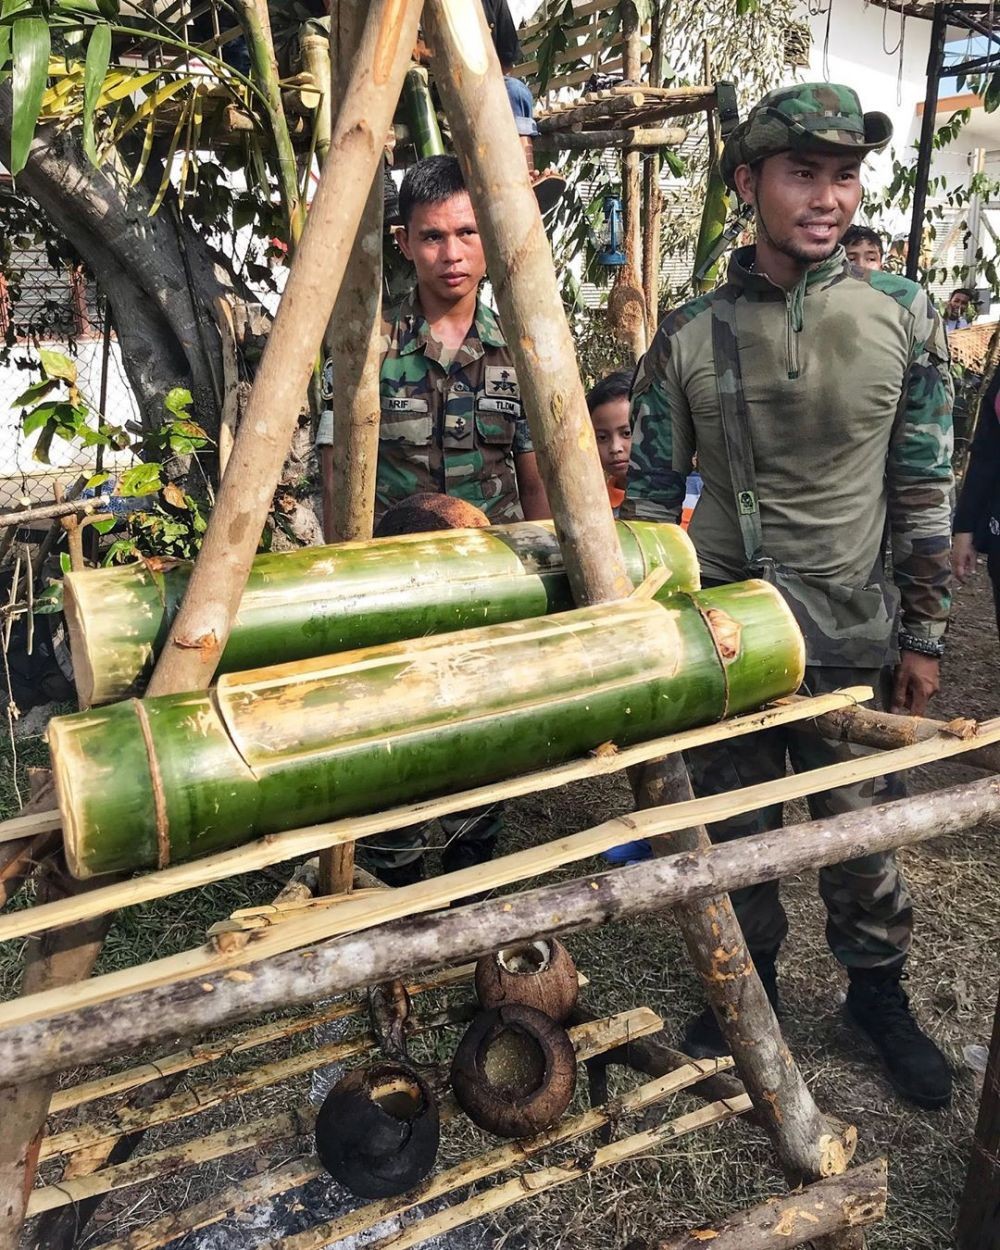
x=865, y=255
x=614, y=436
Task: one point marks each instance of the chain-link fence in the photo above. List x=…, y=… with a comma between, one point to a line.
x=47, y=302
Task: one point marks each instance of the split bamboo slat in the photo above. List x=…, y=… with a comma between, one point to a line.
x=439, y=892
x=321, y=600
x=504, y=1158
x=297, y=1173
x=307, y=841
x=529, y=1184
x=148, y=782
x=234, y=1044
x=589, y=1039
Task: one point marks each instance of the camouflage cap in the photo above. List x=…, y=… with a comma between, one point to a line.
x=818, y=116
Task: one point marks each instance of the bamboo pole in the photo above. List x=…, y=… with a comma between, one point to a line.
x=297, y=842
x=49, y=511
x=808, y=1145
x=78, y=1027
x=202, y=626
x=426, y=896
x=848, y=1201
x=197, y=773
x=229, y=1201
x=979, y=1214
x=255, y=20
x=320, y=600
x=468, y=77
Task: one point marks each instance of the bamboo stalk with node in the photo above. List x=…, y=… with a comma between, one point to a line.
x=201, y=628
x=319, y=600
x=150, y=782
x=519, y=261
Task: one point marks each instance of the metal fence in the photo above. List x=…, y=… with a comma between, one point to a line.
x=46, y=302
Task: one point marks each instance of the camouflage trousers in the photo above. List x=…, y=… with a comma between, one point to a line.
x=469, y=835
x=869, y=912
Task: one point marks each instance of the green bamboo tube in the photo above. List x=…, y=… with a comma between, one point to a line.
x=321, y=600
x=156, y=781
x=713, y=222
x=420, y=115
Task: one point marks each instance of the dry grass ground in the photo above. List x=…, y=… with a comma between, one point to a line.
x=953, y=983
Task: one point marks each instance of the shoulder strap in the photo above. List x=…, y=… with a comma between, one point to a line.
x=736, y=423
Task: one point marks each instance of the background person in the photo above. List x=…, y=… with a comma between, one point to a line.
x=451, y=414
x=961, y=309
x=977, y=516
x=607, y=403
x=864, y=247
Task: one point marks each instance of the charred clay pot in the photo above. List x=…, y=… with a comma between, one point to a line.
x=539, y=974
x=377, y=1131
x=514, y=1071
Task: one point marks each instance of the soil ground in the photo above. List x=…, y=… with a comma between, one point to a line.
x=953, y=979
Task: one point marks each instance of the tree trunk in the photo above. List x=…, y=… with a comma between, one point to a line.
x=58, y=1037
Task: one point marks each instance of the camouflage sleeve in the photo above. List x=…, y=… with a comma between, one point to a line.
x=662, y=439
x=522, y=435
x=920, y=481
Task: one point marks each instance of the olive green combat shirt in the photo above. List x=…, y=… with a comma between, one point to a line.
x=451, y=422
x=849, y=399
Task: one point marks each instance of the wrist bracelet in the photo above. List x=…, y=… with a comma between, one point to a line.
x=933, y=647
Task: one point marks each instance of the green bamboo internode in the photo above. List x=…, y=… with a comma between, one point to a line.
x=149, y=782
x=321, y=600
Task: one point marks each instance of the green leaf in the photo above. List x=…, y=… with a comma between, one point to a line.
x=40, y=416
x=50, y=601
x=674, y=162
x=56, y=365
x=141, y=479
x=178, y=401
x=4, y=46
x=95, y=69
x=37, y=390
x=97, y=480
x=30, y=42
x=64, y=562
x=105, y=526
x=108, y=9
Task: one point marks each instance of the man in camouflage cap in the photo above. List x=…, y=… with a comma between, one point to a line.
x=817, y=398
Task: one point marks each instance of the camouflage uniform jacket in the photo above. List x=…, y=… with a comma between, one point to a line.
x=453, y=430
x=849, y=402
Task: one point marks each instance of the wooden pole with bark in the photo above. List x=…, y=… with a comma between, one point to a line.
x=520, y=265
x=58, y=1035
x=808, y=1145
x=633, y=321
x=54, y=959
x=979, y=1215
x=848, y=1201
x=203, y=623
x=352, y=350
x=652, y=199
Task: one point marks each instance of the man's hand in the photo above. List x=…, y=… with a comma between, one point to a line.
x=963, y=556
x=915, y=683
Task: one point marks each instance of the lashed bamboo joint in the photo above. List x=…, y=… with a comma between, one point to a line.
x=321, y=600
x=307, y=742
